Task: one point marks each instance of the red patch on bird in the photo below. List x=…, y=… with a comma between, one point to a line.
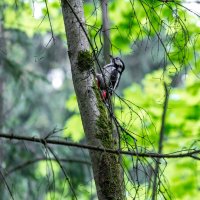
x=98, y=82
x=104, y=94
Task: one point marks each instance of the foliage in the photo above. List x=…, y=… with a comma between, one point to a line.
x=74, y=128
x=182, y=126
x=142, y=117
x=33, y=106
x=19, y=14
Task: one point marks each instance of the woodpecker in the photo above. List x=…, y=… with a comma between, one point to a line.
x=108, y=80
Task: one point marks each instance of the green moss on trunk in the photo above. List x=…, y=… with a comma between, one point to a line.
x=85, y=60
x=110, y=179
x=104, y=123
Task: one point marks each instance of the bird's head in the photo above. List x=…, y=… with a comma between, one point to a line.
x=118, y=63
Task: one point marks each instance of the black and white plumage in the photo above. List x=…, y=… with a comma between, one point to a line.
x=108, y=80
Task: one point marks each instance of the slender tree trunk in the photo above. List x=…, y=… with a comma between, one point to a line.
x=2, y=62
x=2, y=55
x=105, y=30
x=96, y=122
x=160, y=144
x=2, y=58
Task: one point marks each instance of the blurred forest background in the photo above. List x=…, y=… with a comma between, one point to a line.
x=158, y=41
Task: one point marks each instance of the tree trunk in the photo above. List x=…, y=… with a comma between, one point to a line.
x=156, y=181
x=106, y=32
x=96, y=122
x=2, y=58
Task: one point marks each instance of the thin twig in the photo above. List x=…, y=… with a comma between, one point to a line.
x=7, y=186
x=64, y=172
x=32, y=161
x=52, y=34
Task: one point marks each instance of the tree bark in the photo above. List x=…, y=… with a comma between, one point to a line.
x=96, y=122
x=105, y=30
x=2, y=58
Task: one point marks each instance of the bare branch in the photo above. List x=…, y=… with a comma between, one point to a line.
x=43, y=141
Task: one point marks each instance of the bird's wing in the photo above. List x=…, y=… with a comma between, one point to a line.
x=114, y=79
x=107, y=71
